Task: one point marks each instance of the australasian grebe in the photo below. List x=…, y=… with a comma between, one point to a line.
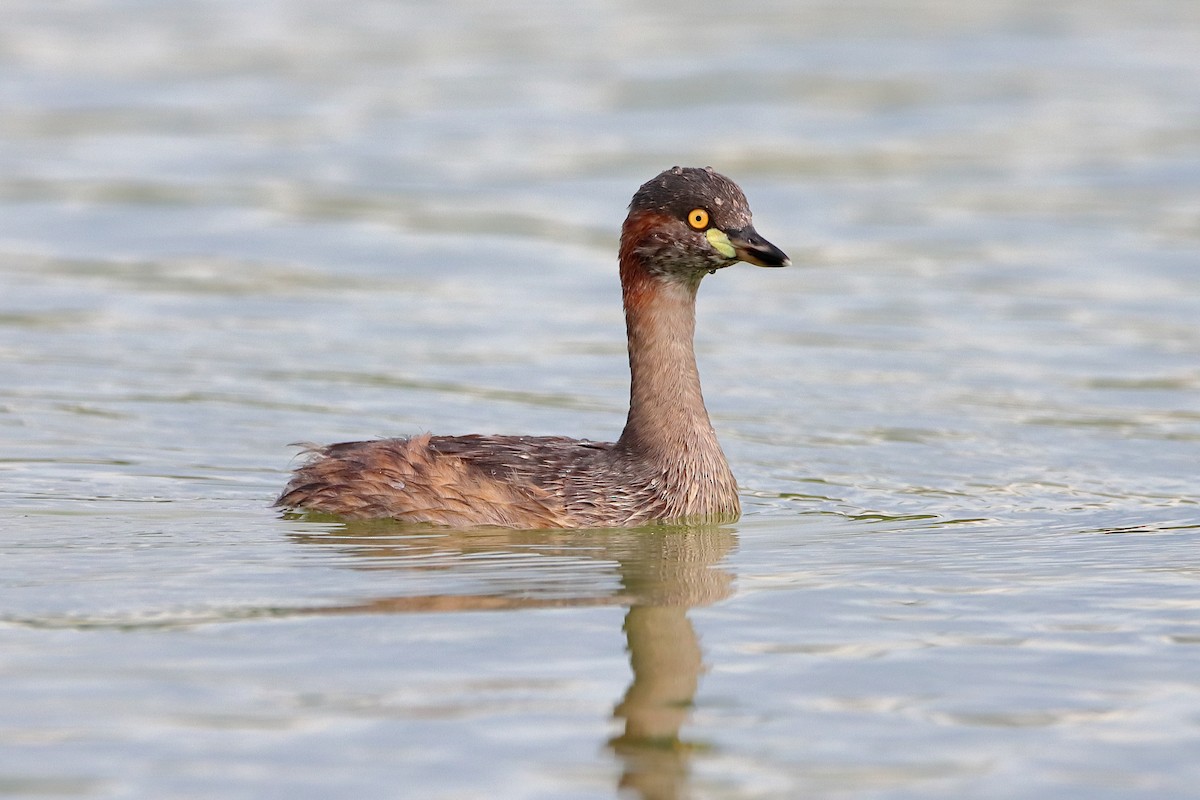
x=666, y=467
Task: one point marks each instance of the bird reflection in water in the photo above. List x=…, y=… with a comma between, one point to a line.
x=675, y=572
x=662, y=573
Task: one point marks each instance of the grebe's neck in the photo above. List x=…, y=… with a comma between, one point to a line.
x=667, y=418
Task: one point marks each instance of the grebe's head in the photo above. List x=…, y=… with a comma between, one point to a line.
x=688, y=221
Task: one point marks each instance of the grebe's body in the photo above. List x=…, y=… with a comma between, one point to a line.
x=666, y=467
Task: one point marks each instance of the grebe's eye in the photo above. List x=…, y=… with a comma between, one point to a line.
x=698, y=218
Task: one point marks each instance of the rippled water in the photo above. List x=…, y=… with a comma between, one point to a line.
x=966, y=425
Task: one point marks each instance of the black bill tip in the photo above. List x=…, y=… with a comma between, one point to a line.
x=754, y=249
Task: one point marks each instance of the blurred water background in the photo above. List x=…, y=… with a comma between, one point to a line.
x=966, y=424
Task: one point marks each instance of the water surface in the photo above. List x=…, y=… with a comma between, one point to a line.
x=966, y=425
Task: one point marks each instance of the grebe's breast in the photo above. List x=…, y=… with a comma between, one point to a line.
x=601, y=484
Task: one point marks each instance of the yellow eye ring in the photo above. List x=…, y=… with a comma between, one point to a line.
x=698, y=218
